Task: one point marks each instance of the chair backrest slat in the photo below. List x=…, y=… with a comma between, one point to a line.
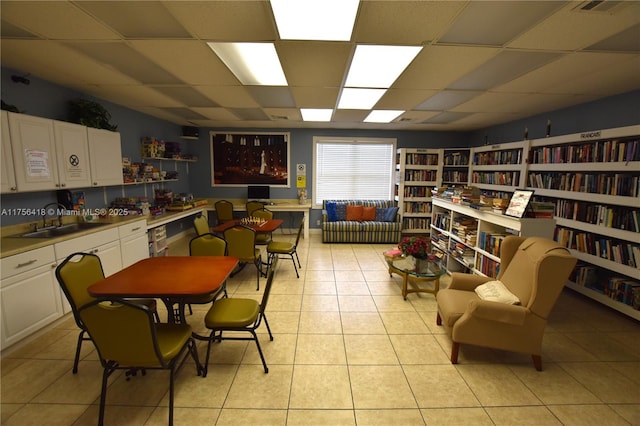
x=267, y=288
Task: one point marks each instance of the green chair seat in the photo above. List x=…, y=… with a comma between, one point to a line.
x=281, y=247
x=172, y=338
x=232, y=313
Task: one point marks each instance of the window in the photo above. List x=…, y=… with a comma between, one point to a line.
x=347, y=169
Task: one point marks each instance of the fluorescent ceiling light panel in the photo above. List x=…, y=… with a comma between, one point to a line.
x=330, y=20
x=359, y=98
x=315, y=114
x=379, y=66
x=382, y=116
x=254, y=64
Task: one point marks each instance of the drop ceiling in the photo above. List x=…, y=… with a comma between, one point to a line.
x=483, y=63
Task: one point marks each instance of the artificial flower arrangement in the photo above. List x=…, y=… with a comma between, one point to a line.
x=417, y=247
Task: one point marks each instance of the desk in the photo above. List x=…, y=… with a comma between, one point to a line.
x=413, y=269
x=268, y=226
x=169, y=278
x=279, y=206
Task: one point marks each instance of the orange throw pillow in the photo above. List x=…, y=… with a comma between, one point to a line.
x=354, y=212
x=369, y=213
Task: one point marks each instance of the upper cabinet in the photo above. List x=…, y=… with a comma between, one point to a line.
x=34, y=151
x=8, y=177
x=105, y=152
x=41, y=154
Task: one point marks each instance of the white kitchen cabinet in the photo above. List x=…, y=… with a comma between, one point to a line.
x=8, y=177
x=34, y=152
x=105, y=154
x=72, y=155
x=30, y=294
x=133, y=242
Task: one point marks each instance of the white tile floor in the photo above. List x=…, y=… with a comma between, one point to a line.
x=347, y=350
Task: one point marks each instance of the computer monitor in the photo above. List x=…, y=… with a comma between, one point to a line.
x=258, y=192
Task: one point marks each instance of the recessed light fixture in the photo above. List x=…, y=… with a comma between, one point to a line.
x=382, y=116
x=354, y=98
x=254, y=64
x=379, y=66
x=330, y=20
x=316, y=114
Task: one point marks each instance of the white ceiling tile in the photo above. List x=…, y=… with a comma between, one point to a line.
x=230, y=96
x=314, y=63
x=215, y=113
x=316, y=97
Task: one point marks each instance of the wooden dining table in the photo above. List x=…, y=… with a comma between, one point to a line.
x=268, y=226
x=173, y=279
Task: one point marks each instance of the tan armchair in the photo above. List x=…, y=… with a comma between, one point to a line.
x=533, y=269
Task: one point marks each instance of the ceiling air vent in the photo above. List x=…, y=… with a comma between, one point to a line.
x=279, y=117
x=598, y=5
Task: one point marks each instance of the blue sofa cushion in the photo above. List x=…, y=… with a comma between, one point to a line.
x=341, y=210
x=332, y=213
x=391, y=214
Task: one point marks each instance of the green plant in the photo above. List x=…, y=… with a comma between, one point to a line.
x=89, y=113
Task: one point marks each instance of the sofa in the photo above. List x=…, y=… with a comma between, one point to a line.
x=360, y=221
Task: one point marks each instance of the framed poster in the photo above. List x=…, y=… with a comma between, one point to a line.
x=519, y=202
x=241, y=159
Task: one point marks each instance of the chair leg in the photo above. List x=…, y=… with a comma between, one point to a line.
x=205, y=367
x=537, y=362
x=294, y=265
x=438, y=319
x=264, y=362
x=106, y=372
x=266, y=323
x=171, y=391
x=78, y=348
x=455, y=346
x=299, y=264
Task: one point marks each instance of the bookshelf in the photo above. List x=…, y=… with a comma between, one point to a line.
x=594, y=180
x=499, y=169
x=417, y=172
x=468, y=240
x=455, y=167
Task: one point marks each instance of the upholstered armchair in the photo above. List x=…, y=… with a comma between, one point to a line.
x=534, y=270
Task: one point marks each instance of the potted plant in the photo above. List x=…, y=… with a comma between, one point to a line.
x=90, y=114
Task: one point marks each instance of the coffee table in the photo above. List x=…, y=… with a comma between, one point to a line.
x=415, y=271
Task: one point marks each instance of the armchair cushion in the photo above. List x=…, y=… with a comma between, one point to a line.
x=496, y=311
x=496, y=291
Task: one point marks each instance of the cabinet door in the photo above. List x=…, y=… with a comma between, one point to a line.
x=105, y=154
x=29, y=301
x=110, y=257
x=72, y=151
x=134, y=248
x=8, y=178
x=34, y=152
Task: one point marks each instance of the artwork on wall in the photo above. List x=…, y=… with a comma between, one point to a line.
x=240, y=159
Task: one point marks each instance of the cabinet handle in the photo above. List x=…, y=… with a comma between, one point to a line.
x=13, y=188
x=95, y=183
x=94, y=251
x=135, y=229
x=63, y=185
x=27, y=263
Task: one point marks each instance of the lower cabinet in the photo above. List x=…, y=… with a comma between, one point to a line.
x=30, y=296
x=133, y=242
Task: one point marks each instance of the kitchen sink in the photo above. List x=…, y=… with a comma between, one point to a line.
x=58, y=231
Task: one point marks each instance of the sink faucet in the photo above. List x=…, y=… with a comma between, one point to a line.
x=59, y=208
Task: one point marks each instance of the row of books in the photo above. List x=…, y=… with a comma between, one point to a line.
x=496, y=178
x=490, y=158
x=465, y=229
x=617, y=251
x=420, y=175
x=487, y=266
x=416, y=223
x=417, y=191
x=455, y=176
x=456, y=159
x=592, y=152
x=620, y=184
x=442, y=221
x=624, y=218
x=417, y=207
x=490, y=242
x=421, y=159
x=621, y=289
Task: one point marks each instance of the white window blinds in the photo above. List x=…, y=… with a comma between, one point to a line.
x=353, y=169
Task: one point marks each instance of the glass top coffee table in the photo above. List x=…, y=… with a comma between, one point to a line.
x=416, y=271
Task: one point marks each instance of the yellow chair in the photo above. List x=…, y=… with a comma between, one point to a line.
x=277, y=248
x=224, y=211
x=201, y=225
x=241, y=243
x=237, y=314
x=207, y=245
x=251, y=206
x=127, y=338
x=75, y=274
x=534, y=270
x=263, y=238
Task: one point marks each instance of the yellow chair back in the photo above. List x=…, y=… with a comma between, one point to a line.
x=207, y=245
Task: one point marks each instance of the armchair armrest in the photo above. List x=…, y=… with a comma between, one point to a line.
x=468, y=282
x=496, y=311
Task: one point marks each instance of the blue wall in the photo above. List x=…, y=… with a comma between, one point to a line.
x=45, y=99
